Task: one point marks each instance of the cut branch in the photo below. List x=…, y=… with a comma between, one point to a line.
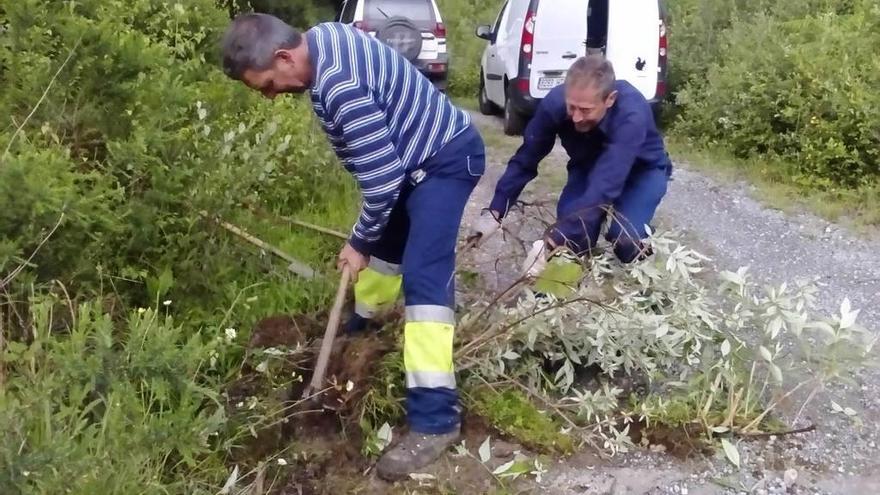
x=317, y=228
x=295, y=266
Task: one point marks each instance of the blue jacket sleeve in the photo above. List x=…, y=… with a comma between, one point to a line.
x=367, y=149
x=538, y=140
x=606, y=180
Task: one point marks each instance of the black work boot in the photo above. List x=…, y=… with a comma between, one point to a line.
x=358, y=325
x=415, y=451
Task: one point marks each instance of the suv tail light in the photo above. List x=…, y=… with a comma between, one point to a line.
x=440, y=30
x=663, y=46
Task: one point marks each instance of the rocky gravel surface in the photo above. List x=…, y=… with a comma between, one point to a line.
x=724, y=221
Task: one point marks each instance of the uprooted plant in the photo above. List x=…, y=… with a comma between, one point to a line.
x=717, y=350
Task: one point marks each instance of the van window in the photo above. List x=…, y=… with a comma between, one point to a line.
x=597, y=24
x=497, y=27
x=414, y=10
x=348, y=11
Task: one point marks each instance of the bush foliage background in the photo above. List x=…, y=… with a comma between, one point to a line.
x=138, y=132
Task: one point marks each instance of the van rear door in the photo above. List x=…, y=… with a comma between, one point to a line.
x=560, y=35
x=633, y=42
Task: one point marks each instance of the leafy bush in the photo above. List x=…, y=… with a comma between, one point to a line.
x=792, y=79
x=98, y=409
x=138, y=134
x=462, y=18
x=121, y=131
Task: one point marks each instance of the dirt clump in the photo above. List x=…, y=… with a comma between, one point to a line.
x=682, y=442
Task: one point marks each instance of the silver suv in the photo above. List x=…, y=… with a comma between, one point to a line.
x=412, y=27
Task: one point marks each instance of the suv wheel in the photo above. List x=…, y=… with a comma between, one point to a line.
x=486, y=106
x=514, y=123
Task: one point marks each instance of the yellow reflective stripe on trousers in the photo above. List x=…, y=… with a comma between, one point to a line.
x=427, y=354
x=374, y=290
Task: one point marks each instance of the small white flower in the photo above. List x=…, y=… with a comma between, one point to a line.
x=281, y=462
x=167, y=303
x=141, y=311
x=349, y=386
x=230, y=334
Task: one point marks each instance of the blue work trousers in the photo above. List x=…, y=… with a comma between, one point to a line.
x=419, y=244
x=633, y=209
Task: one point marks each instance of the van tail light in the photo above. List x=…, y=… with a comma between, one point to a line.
x=523, y=85
x=528, y=36
x=661, y=65
x=440, y=30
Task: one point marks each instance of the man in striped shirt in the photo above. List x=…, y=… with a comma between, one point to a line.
x=416, y=158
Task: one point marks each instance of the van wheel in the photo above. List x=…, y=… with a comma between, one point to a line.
x=486, y=106
x=514, y=122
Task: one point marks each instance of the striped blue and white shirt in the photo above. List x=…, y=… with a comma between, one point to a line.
x=382, y=116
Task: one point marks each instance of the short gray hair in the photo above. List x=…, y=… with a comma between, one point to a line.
x=592, y=70
x=251, y=40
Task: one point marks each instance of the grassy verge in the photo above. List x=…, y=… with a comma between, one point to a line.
x=513, y=413
x=774, y=185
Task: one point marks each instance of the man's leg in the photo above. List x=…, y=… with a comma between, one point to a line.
x=633, y=210
x=378, y=285
x=435, y=209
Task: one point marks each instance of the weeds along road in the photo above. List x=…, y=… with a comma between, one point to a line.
x=723, y=221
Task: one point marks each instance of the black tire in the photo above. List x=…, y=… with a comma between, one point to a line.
x=486, y=106
x=402, y=35
x=514, y=122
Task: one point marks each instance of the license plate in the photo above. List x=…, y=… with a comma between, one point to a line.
x=549, y=82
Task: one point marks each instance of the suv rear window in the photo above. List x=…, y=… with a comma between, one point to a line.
x=414, y=10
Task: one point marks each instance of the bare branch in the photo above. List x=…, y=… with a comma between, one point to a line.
x=40, y=101
x=6, y=281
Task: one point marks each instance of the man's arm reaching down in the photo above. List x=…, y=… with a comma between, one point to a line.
x=538, y=140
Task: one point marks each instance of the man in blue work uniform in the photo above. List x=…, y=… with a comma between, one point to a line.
x=416, y=158
x=616, y=159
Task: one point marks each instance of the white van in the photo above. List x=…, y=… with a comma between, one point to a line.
x=533, y=42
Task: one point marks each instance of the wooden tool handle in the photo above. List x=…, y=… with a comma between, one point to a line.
x=329, y=335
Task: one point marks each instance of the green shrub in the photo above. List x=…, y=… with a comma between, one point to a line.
x=101, y=409
x=138, y=134
x=794, y=80
x=462, y=18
